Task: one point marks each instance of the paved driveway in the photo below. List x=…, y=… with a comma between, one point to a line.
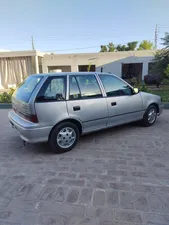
x=115, y=177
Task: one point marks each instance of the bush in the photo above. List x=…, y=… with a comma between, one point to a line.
x=153, y=79
x=165, y=81
x=166, y=72
x=140, y=86
x=165, y=99
x=6, y=97
x=143, y=88
x=134, y=81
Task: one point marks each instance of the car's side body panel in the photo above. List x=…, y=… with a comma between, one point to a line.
x=93, y=113
x=149, y=99
x=124, y=109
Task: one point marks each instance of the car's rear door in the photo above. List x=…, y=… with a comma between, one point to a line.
x=123, y=104
x=86, y=102
x=50, y=103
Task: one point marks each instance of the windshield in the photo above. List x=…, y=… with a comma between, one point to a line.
x=25, y=89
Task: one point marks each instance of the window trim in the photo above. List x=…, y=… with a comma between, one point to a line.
x=116, y=78
x=48, y=81
x=75, y=75
x=77, y=87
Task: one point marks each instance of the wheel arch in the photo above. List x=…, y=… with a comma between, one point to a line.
x=156, y=105
x=72, y=120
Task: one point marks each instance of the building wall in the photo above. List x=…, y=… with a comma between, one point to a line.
x=15, y=65
x=33, y=65
x=109, y=61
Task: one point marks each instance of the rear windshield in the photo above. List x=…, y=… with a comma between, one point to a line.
x=25, y=89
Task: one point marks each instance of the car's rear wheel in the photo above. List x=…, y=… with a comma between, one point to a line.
x=64, y=137
x=150, y=116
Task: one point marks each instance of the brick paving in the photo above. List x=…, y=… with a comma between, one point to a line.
x=118, y=176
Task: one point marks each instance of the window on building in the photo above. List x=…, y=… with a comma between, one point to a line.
x=84, y=87
x=115, y=86
x=132, y=70
x=58, y=69
x=54, y=89
x=86, y=68
x=40, y=69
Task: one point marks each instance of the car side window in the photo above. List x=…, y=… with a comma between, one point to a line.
x=84, y=87
x=115, y=86
x=54, y=89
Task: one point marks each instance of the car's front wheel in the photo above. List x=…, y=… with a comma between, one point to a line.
x=150, y=116
x=64, y=137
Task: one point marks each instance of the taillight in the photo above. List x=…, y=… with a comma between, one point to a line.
x=30, y=117
x=14, y=109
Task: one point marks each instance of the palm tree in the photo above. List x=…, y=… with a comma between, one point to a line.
x=111, y=47
x=145, y=45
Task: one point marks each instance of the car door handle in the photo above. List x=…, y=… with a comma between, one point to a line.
x=113, y=103
x=76, y=108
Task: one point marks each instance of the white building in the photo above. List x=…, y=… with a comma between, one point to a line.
x=14, y=66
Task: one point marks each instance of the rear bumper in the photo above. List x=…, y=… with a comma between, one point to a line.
x=28, y=131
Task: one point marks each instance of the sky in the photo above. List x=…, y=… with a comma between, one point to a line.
x=71, y=26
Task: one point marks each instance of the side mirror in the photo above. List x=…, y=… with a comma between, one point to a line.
x=136, y=90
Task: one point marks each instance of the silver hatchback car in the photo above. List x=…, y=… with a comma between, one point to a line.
x=58, y=108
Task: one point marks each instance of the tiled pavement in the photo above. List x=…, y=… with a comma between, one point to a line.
x=115, y=177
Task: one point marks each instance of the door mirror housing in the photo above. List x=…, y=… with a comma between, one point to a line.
x=136, y=90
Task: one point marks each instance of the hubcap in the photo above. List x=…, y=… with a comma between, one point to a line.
x=152, y=115
x=66, y=137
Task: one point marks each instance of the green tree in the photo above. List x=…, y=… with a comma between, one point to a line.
x=131, y=46
x=121, y=48
x=145, y=45
x=166, y=40
x=166, y=72
x=103, y=48
x=160, y=62
x=161, y=58
x=111, y=47
x=166, y=75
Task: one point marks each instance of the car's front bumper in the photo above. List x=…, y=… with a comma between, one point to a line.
x=28, y=131
x=161, y=107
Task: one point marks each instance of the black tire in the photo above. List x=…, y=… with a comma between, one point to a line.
x=145, y=121
x=53, y=142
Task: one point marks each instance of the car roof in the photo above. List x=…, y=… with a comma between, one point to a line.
x=71, y=73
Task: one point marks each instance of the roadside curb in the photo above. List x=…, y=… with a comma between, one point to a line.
x=9, y=105
x=5, y=106
x=166, y=106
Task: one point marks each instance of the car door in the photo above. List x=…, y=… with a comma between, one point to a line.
x=50, y=103
x=124, y=105
x=86, y=102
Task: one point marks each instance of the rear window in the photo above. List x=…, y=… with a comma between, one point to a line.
x=54, y=89
x=26, y=88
